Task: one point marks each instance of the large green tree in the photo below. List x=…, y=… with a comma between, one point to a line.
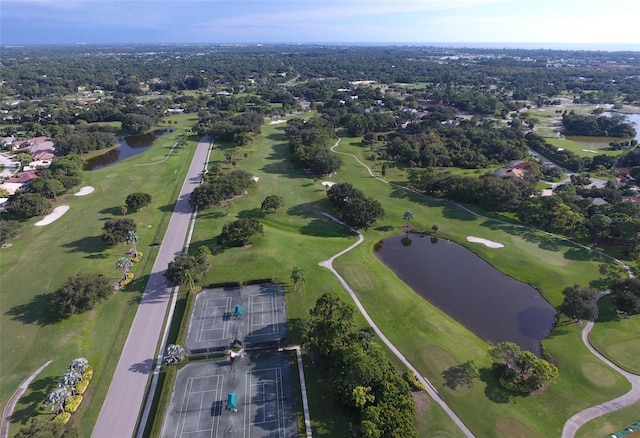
x=47, y=429
x=579, y=303
x=238, y=232
x=520, y=370
x=26, y=205
x=81, y=292
x=625, y=295
x=136, y=200
x=116, y=230
x=272, y=203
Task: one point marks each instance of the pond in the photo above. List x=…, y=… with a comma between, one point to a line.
x=493, y=306
x=127, y=147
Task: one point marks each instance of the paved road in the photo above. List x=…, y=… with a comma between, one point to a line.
x=633, y=396
x=124, y=400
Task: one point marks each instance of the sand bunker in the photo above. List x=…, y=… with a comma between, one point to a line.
x=255, y=178
x=85, y=191
x=589, y=150
x=277, y=122
x=53, y=216
x=327, y=183
x=485, y=242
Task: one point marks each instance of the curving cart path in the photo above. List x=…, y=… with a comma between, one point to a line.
x=11, y=404
x=633, y=396
x=574, y=423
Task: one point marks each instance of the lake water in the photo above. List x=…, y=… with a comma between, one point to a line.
x=127, y=147
x=492, y=305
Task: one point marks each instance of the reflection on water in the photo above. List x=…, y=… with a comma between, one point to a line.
x=128, y=147
x=493, y=306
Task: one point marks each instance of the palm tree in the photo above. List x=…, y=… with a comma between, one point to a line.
x=435, y=228
x=297, y=275
x=123, y=263
x=173, y=354
x=132, y=237
x=69, y=380
x=408, y=216
x=57, y=398
x=80, y=364
x=187, y=280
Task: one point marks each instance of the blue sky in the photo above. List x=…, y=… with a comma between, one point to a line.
x=568, y=23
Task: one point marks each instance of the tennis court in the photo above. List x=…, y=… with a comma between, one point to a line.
x=254, y=315
x=260, y=385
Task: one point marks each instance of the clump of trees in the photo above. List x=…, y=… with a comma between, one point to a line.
x=597, y=126
x=24, y=205
x=579, y=303
x=238, y=232
x=81, y=292
x=189, y=268
x=272, y=203
x=239, y=128
x=356, y=209
x=625, y=295
x=38, y=429
x=362, y=377
x=219, y=187
x=8, y=230
x=471, y=144
x=490, y=192
x=309, y=143
x=115, y=231
x=83, y=142
x=520, y=370
x=137, y=200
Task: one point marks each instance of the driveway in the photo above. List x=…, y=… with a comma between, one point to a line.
x=121, y=408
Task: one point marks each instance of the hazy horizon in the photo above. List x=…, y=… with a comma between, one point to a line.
x=535, y=24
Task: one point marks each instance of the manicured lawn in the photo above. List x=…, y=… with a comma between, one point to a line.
x=584, y=149
x=299, y=236
x=43, y=257
x=611, y=423
x=617, y=337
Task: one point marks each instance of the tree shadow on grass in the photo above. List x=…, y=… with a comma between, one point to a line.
x=255, y=213
x=494, y=391
x=33, y=401
x=167, y=208
x=111, y=211
x=211, y=215
x=581, y=254
x=87, y=245
x=39, y=311
x=451, y=211
x=607, y=311
x=459, y=375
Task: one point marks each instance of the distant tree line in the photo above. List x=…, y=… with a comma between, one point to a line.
x=471, y=144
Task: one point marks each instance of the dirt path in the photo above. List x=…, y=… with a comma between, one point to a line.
x=7, y=412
